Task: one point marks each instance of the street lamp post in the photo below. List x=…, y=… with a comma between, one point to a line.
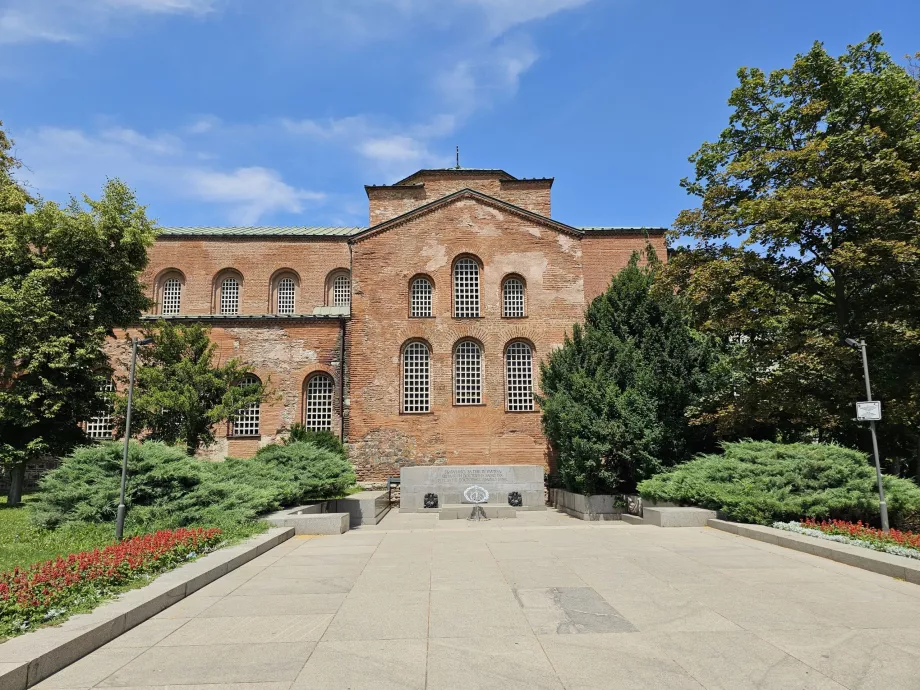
x=883, y=507
x=120, y=516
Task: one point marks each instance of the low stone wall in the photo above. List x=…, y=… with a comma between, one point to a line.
x=596, y=507
x=34, y=472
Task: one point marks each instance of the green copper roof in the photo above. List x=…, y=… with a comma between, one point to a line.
x=260, y=231
x=620, y=230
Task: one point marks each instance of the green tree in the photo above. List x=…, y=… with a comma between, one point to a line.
x=182, y=391
x=68, y=278
x=808, y=232
x=616, y=394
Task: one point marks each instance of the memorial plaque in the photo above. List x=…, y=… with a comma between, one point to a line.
x=450, y=482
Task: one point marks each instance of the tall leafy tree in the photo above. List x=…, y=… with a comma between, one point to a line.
x=68, y=278
x=808, y=232
x=616, y=395
x=183, y=391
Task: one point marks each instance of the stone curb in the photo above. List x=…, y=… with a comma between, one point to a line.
x=30, y=658
x=876, y=561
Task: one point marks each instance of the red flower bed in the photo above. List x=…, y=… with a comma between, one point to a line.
x=45, y=591
x=858, y=530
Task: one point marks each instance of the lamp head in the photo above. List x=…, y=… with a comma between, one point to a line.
x=145, y=341
x=851, y=343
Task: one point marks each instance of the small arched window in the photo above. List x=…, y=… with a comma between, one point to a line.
x=513, y=297
x=339, y=286
x=230, y=296
x=416, y=378
x=318, y=403
x=420, y=294
x=246, y=421
x=468, y=373
x=285, y=297
x=101, y=427
x=171, y=296
x=519, y=377
x=466, y=288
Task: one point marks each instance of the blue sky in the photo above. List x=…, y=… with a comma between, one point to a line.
x=277, y=112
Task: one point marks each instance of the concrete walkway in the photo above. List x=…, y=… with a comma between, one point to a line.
x=539, y=601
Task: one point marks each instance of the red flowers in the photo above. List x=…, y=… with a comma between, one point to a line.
x=863, y=532
x=44, y=591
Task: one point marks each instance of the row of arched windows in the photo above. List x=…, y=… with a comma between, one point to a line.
x=466, y=293
x=467, y=376
x=228, y=288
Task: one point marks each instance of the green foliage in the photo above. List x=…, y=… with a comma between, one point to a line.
x=617, y=392
x=68, y=277
x=182, y=392
x=321, y=439
x=808, y=232
x=167, y=488
x=763, y=482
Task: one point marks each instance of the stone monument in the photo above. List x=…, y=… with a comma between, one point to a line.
x=506, y=485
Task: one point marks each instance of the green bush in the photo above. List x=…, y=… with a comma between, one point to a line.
x=762, y=482
x=166, y=488
x=322, y=439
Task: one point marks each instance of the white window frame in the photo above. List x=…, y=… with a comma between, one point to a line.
x=101, y=427
x=341, y=290
x=468, y=373
x=466, y=288
x=416, y=378
x=247, y=421
x=229, y=300
x=286, y=295
x=513, y=296
x=519, y=377
x=318, y=408
x=171, y=296
x=421, y=294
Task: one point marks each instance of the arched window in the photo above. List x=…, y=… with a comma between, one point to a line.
x=285, y=303
x=318, y=403
x=230, y=297
x=246, y=421
x=171, y=296
x=101, y=427
x=340, y=290
x=519, y=377
x=416, y=378
x=468, y=374
x=512, y=297
x=466, y=288
x=420, y=297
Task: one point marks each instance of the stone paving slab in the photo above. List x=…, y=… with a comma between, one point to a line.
x=551, y=602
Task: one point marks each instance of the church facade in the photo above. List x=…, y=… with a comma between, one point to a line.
x=417, y=339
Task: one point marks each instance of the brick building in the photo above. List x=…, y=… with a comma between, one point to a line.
x=417, y=338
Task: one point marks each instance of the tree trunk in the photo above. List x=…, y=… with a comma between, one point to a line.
x=17, y=481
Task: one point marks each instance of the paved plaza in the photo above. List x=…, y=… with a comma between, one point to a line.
x=539, y=601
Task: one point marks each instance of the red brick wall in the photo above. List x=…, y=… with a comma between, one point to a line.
x=605, y=255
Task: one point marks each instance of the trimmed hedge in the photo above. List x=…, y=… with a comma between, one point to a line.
x=763, y=482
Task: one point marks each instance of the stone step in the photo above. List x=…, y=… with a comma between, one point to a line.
x=632, y=519
x=463, y=510
x=678, y=517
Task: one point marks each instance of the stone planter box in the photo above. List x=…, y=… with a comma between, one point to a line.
x=596, y=507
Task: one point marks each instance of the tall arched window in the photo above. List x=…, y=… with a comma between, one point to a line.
x=171, y=296
x=466, y=288
x=246, y=421
x=519, y=377
x=102, y=426
x=340, y=290
x=468, y=373
x=420, y=297
x=416, y=378
x=230, y=297
x=513, y=297
x=318, y=403
x=285, y=296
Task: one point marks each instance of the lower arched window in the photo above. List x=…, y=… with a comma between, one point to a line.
x=286, y=290
x=318, y=403
x=230, y=297
x=341, y=290
x=416, y=378
x=519, y=377
x=468, y=374
x=101, y=426
x=246, y=421
x=171, y=297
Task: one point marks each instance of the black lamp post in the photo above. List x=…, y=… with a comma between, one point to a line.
x=120, y=516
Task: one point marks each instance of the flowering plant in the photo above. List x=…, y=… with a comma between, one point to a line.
x=895, y=541
x=46, y=591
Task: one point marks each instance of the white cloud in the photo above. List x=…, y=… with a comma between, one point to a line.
x=63, y=160
x=502, y=15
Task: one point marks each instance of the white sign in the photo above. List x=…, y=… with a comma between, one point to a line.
x=870, y=411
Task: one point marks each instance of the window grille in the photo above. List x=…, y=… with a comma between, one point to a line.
x=466, y=288
x=341, y=291
x=318, y=407
x=286, y=296
x=230, y=297
x=519, y=377
x=172, y=297
x=468, y=374
x=246, y=422
x=421, y=297
x=513, y=297
x=102, y=426
x=416, y=378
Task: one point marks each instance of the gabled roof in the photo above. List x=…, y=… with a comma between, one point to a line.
x=457, y=171
x=466, y=194
x=259, y=231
